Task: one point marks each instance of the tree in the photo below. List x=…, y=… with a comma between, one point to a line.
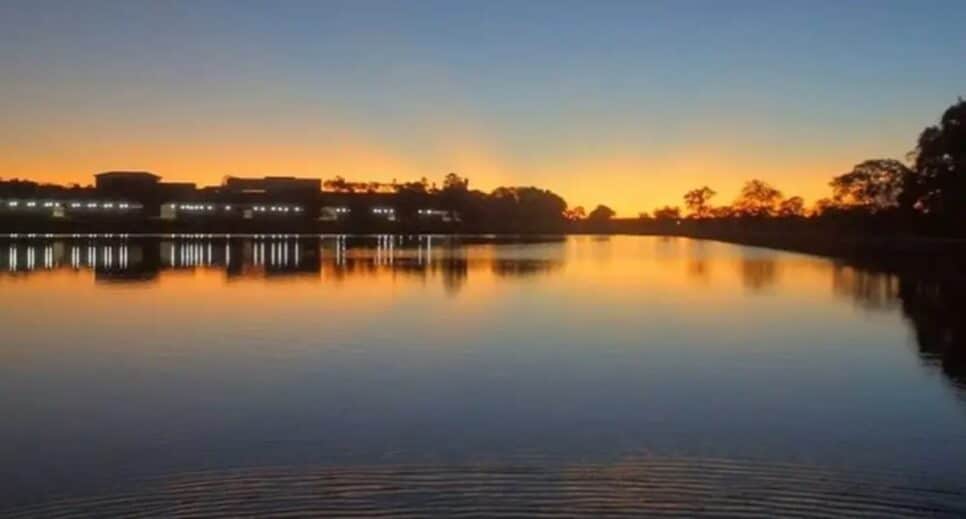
x=758, y=198
x=697, y=201
x=874, y=185
x=337, y=184
x=824, y=206
x=540, y=205
x=938, y=182
x=527, y=206
x=420, y=186
x=601, y=213
x=790, y=207
x=721, y=212
x=667, y=213
x=454, y=182
x=455, y=194
x=577, y=213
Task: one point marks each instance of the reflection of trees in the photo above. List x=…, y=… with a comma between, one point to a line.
x=936, y=311
x=933, y=303
x=698, y=270
x=522, y=267
x=455, y=271
x=759, y=273
x=869, y=289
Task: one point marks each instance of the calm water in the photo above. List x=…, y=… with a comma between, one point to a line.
x=375, y=375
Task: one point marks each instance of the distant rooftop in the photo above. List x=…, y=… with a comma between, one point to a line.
x=128, y=174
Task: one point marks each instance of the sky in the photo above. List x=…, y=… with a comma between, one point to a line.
x=629, y=104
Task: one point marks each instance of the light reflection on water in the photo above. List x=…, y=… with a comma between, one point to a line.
x=144, y=259
x=289, y=362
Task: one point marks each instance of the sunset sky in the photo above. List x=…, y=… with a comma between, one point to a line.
x=623, y=103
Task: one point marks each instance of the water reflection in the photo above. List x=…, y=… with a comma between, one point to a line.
x=936, y=309
x=932, y=302
x=699, y=270
x=759, y=274
x=870, y=289
x=136, y=260
x=174, y=355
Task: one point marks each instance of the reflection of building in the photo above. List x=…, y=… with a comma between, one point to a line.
x=129, y=259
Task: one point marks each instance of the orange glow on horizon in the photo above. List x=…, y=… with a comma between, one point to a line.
x=628, y=181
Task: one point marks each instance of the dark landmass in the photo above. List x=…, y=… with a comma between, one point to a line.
x=883, y=211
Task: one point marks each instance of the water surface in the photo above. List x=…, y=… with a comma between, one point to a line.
x=411, y=375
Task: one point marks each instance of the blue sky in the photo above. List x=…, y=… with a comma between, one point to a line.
x=626, y=103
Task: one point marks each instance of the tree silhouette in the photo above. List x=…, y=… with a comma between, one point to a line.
x=721, y=212
x=667, y=213
x=698, y=201
x=420, y=186
x=874, y=185
x=758, y=198
x=524, y=206
x=455, y=195
x=601, y=213
x=337, y=184
x=792, y=207
x=575, y=214
x=824, y=206
x=938, y=184
x=454, y=182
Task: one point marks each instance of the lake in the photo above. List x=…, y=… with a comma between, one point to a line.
x=410, y=375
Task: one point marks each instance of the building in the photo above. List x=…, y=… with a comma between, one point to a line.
x=330, y=213
x=276, y=198
x=143, y=187
x=69, y=208
x=208, y=210
x=437, y=215
x=124, y=182
x=275, y=187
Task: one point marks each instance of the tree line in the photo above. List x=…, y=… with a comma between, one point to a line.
x=928, y=188
x=925, y=192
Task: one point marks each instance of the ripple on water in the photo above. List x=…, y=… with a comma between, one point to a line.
x=671, y=487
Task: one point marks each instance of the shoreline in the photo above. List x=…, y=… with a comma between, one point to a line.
x=875, y=247
x=938, y=259
x=846, y=246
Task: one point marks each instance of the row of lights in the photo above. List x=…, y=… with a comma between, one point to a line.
x=431, y=211
x=30, y=204
x=276, y=209
x=257, y=208
x=383, y=210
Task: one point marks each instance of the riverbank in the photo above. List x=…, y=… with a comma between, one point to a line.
x=861, y=245
x=797, y=235
x=938, y=259
x=846, y=246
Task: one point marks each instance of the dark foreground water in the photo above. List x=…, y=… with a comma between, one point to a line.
x=415, y=375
